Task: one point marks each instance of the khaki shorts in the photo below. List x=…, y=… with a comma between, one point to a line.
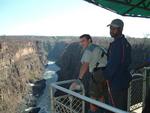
x=98, y=85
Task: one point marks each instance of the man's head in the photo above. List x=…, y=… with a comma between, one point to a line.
x=116, y=28
x=85, y=40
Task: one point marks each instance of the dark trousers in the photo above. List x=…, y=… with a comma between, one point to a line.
x=120, y=99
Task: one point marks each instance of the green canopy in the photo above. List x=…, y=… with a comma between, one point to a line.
x=134, y=8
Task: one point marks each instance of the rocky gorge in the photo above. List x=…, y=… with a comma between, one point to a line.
x=23, y=65
x=20, y=62
x=26, y=71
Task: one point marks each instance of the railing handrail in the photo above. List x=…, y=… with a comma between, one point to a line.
x=137, y=74
x=87, y=99
x=147, y=68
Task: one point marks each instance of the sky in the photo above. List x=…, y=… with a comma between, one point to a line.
x=63, y=18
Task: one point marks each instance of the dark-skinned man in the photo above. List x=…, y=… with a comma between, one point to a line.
x=116, y=71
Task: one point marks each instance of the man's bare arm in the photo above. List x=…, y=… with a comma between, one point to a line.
x=84, y=68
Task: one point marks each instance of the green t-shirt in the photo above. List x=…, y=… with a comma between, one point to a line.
x=92, y=55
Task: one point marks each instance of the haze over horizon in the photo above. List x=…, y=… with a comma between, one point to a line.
x=63, y=18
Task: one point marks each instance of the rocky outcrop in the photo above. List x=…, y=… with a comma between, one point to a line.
x=19, y=63
x=38, y=88
x=140, y=52
x=70, y=62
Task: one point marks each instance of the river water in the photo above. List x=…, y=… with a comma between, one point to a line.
x=50, y=76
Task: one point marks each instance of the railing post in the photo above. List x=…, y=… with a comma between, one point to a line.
x=129, y=97
x=51, y=100
x=144, y=86
x=83, y=93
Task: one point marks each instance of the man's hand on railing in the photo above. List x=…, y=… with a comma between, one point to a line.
x=75, y=85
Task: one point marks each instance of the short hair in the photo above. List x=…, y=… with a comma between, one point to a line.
x=87, y=36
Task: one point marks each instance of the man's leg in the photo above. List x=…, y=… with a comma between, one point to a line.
x=120, y=99
x=97, y=91
x=85, y=82
x=94, y=95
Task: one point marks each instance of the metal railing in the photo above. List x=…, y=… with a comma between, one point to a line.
x=74, y=102
x=137, y=89
x=135, y=93
x=67, y=103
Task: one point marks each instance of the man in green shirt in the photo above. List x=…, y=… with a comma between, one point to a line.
x=93, y=56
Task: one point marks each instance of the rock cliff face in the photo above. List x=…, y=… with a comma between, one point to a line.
x=70, y=62
x=56, y=50
x=20, y=61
